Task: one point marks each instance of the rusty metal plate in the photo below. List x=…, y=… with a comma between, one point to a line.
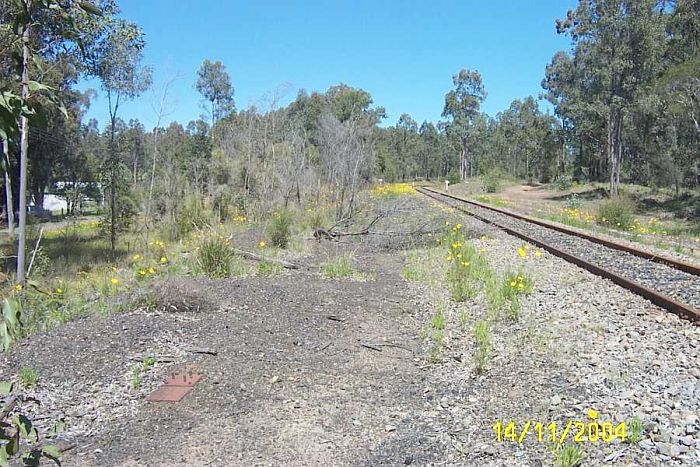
x=169, y=394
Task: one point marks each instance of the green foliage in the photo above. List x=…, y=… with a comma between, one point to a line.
x=215, y=257
x=467, y=269
x=136, y=377
x=214, y=84
x=636, y=430
x=573, y=202
x=19, y=438
x=562, y=182
x=617, y=213
x=191, y=213
x=439, y=321
x=507, y=293
x=268, y=268
x=482, y=339
x=338, y=268
x=11, y=325
x=492, y=181
x=42, y=263
x=569, y=455
x=280, y=228
x=453, y=177
x=28, y=376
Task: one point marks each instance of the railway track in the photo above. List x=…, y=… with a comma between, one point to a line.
x=670, y=284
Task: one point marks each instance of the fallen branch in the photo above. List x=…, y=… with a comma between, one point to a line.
x=371, y=347
x=36, y=247
x=378, y=346
x=202, y=350
x=330, y=234
x=255, y=257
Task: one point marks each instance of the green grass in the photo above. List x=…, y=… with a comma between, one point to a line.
x=215, y=257
x=569, y=455
x=506, y=293
x=636, y=430
x=268, y=268
x=339, y=267
x=482, y=339
x=28, y=376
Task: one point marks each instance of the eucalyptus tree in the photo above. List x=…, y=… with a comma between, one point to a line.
x=214, y=84
x=617, y=46
x=36, y=28
x=116, y=60
x=461, y=107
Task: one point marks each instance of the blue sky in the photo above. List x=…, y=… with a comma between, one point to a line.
x=403, y=53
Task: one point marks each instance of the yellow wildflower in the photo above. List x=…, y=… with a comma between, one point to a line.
x=163, y=260
x=261, y=244
x=59, y=290
x=142, y=272
x=136, y=257
x=522, y=252
x=512, y=283
x=18, y=287
x=538, y=253
x=114, y=281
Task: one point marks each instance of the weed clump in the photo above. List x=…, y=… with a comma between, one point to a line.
x=280, y=229
x=507, y=293
x=492, y=181
x=482, y=338
x=467, y=267
x=338, y=268
x=215, y=257
x=617, y=213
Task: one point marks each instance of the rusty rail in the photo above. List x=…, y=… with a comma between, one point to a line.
x=658, y=298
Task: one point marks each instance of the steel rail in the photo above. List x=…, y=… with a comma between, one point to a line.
x=676, y=264
x=658, y=298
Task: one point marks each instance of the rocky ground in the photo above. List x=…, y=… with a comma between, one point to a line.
x=313, y=371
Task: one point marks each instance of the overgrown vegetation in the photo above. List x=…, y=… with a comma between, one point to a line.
x=280, y=228
x=215, y=257
x=19, y=438
x=617, y=213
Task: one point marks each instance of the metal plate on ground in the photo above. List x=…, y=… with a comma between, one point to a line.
x=169, y=394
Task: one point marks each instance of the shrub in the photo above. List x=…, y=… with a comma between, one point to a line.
x=617, y=213
x=214, y=257
x=192, y=213
x=492, y=181
x=562, y=182
x=280, y=228
x=453, y=177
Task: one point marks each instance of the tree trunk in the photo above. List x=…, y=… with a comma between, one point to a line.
x=614, y=149
x=8, y=191
x=24, y=150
